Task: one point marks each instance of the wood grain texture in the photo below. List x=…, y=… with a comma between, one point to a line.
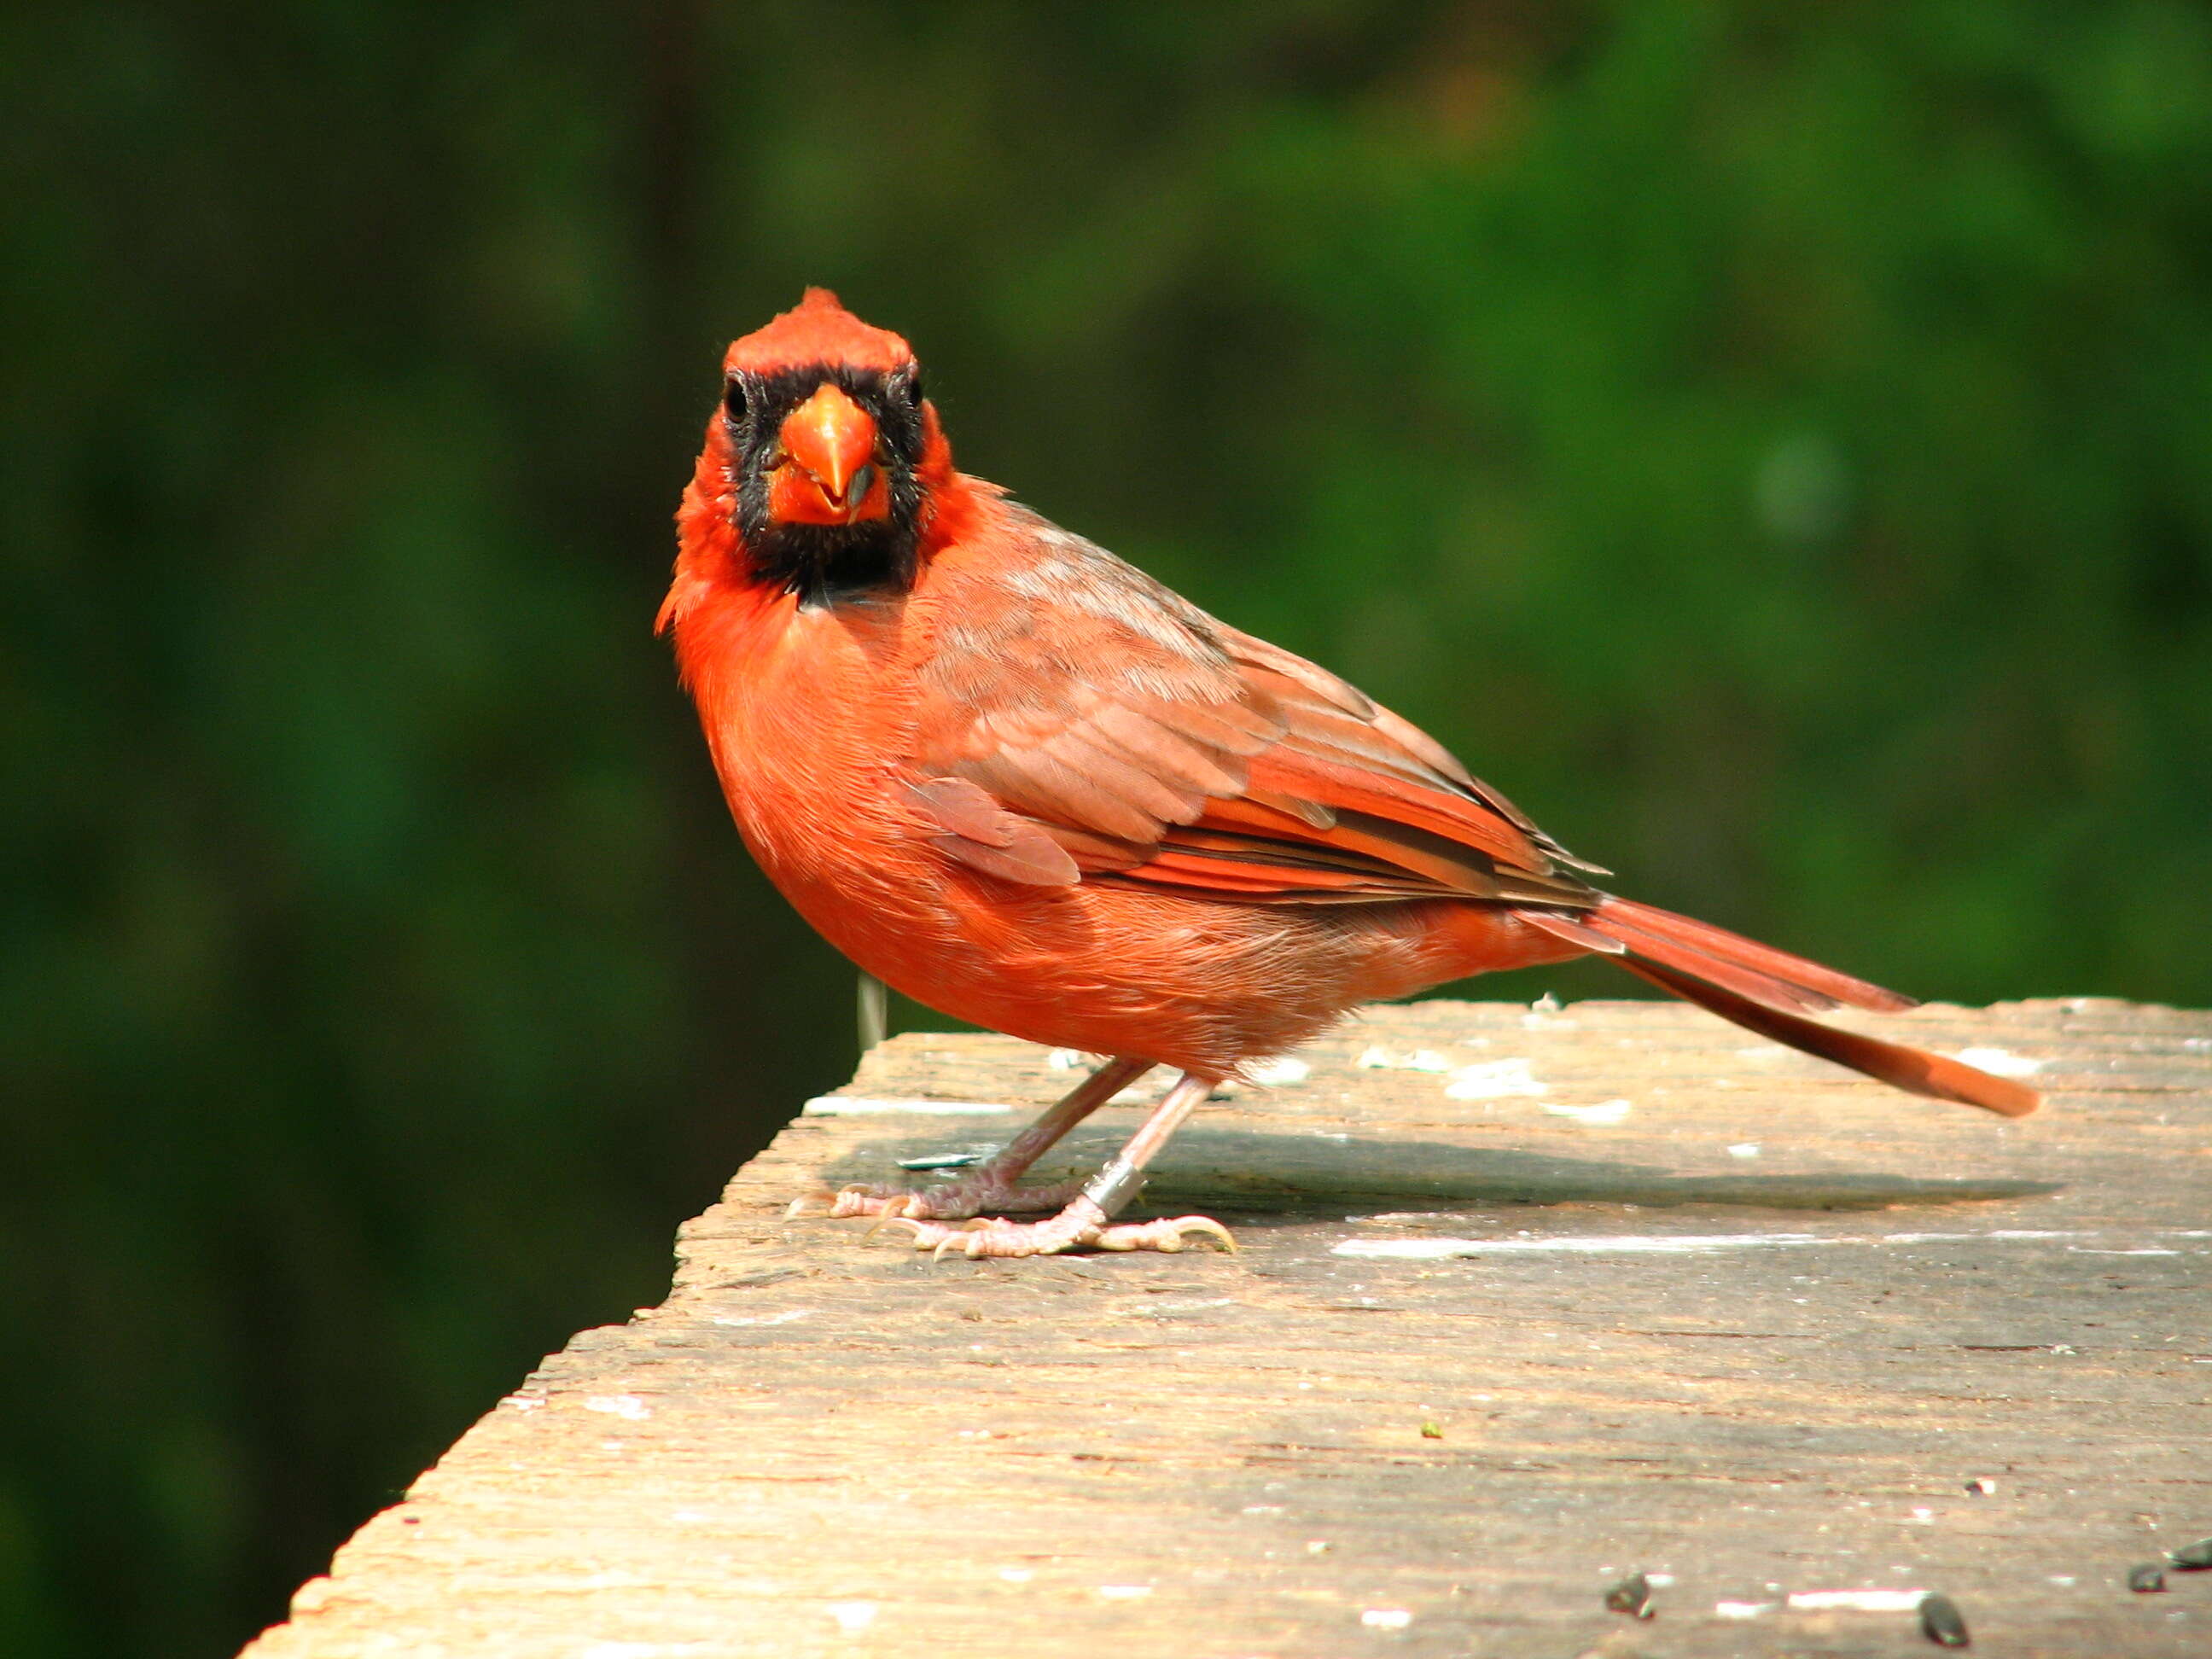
x=1759, y=1334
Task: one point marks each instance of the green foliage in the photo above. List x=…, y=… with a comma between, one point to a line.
x=1773, y=443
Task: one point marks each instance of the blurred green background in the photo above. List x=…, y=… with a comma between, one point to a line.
x=1773, y=443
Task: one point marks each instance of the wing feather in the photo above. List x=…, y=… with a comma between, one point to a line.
x=976, y=830
x=1143, y=742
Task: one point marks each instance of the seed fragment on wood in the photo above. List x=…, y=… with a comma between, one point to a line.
x=1632, y=1595
x=1940, y=1623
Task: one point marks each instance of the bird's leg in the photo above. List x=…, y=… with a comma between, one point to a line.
x=1088, y=1223
x=990, y=1184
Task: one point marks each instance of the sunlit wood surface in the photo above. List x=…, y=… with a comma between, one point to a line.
x=1527, y=1300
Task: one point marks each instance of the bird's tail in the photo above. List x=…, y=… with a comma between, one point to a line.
x=1771, y=991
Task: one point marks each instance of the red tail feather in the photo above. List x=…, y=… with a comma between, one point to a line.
x=1769, y=991
x=1694, y=947
x=1914, y=1070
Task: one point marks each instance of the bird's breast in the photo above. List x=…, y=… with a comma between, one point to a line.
x=806, y=713
x=795, y=704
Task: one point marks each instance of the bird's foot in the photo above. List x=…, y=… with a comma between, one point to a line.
x=954, y=1200
x=1081, y=1225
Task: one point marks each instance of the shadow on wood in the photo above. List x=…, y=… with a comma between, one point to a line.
x=1293, y=1178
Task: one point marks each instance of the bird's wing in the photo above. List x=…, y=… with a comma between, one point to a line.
x=1070, y=704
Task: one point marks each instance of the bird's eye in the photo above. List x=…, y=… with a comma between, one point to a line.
x=733, y=400
x=911, y=390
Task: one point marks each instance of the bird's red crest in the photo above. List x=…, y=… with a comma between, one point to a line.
x=818, y=329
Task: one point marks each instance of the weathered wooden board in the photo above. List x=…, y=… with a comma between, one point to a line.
x=1485, y=1350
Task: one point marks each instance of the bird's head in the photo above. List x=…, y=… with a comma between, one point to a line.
x=824, y=455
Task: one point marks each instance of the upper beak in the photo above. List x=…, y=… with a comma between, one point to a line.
x=828, y=473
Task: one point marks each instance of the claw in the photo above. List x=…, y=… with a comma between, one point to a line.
x=884, y=1218
x=883, y=1221
x=1207, y=1226
x=798, y=1207
x=963, y=1239
x=1164, y=1236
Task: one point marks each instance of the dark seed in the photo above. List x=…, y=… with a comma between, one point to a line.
x=1632, y=1595
x=1941, y=1624
x=2147, y=1579
x=2193, y=1557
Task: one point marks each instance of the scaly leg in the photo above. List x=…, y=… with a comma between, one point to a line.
x=1087, y=1222
x=990, y=1184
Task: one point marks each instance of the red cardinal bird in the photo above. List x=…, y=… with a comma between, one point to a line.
x=1027, y=785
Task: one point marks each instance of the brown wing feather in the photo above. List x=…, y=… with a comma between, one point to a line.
x=1398, y=744
x=976, y=830
x=1151, y=743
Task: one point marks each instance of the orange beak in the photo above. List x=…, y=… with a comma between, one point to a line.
x=827, y=474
